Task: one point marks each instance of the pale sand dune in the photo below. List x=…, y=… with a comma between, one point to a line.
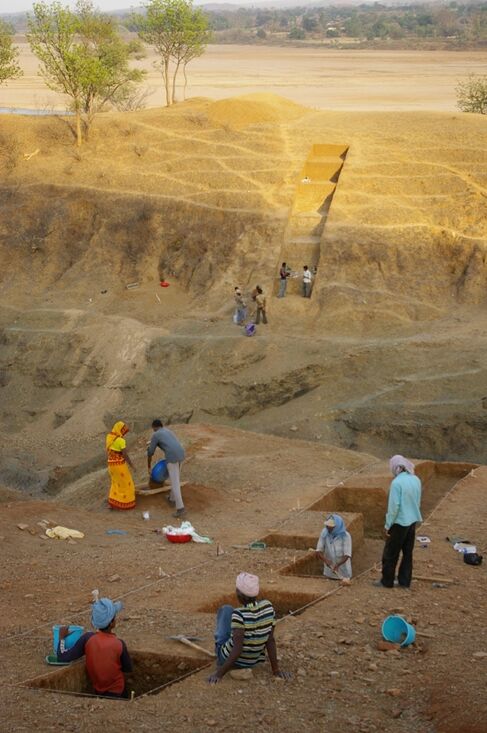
x=320, y=78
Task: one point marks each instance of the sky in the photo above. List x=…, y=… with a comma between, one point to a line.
x=19, y=6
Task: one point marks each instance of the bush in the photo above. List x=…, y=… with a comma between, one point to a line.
x=296, y=34
x=472, y=94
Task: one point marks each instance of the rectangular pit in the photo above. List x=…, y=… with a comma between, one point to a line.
x=284, y=602
x=438, y=479
x=368, y=494
x=310, y=565
x=302, y=533
x=151, y=671
x=370, y=501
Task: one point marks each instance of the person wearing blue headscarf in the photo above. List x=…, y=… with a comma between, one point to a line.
x=107, y=658
x=335, y=549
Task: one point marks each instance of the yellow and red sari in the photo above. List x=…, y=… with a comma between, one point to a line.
x=122, y=490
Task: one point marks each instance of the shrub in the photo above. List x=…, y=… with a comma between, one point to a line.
x=472, y=94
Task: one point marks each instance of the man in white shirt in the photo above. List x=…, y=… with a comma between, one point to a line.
x=307, y=278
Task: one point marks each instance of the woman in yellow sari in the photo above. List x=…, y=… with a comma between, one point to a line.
x=122, y=490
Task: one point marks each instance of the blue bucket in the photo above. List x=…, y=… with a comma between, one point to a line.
x=397, y=630
x=159, y=473
x=74, y=634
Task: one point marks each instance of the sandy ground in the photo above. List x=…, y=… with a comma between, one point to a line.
x=318, y=78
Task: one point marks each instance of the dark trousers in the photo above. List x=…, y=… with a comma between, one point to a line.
x=401, y=539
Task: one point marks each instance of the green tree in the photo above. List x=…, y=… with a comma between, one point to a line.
x=472, y=94
x=178, y=33
x=81, y=55
x=192, y=43
x=296, y=34
x=9, y=68
x=310, y=23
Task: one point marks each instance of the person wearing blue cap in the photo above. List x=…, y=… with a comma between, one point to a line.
x=107, y=658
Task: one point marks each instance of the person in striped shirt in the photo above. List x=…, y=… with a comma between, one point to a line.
x=244, y=634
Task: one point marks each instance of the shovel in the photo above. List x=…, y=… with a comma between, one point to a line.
x=184, y=640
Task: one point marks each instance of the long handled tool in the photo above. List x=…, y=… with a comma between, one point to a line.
x=184, y=640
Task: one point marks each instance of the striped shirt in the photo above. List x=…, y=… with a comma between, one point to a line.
x=257, y=621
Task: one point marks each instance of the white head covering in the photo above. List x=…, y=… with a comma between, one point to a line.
x=398, y=462
x=248, y=585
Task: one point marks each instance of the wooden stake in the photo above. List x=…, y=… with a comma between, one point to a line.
x=433, y=579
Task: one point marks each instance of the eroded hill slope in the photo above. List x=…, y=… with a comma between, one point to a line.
x=389, y=350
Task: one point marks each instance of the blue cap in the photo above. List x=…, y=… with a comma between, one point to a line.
x=104, y=611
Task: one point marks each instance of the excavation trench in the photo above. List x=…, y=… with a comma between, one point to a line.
x=362, y=505
x=152, y=672
x=284, y=602
x=309, y=565
x=368, y=495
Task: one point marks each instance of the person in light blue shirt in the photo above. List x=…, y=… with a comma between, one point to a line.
x=403, y=512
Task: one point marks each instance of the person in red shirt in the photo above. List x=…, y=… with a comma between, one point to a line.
x=107, y=658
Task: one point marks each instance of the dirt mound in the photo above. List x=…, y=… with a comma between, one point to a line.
x=254, y=109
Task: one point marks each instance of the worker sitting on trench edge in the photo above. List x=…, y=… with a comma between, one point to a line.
x=243, y=634
x=107, y=658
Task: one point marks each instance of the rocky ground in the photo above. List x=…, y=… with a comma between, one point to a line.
x=339, y=674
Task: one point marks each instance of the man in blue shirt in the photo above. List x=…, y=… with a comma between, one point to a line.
x=403, y=511
x=174, y=455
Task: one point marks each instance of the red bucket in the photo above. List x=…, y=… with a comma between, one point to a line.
x=179, y=538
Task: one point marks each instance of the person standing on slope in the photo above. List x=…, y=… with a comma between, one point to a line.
x=284, y=273
x=307, y=278
x=241, y=307
x=260, y=302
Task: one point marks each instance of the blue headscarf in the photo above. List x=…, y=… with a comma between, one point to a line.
x=339, y=530
x=104, y=611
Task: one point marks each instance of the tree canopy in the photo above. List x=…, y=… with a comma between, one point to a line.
x=81, y=55
x=178, y=32
x=9, y=68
